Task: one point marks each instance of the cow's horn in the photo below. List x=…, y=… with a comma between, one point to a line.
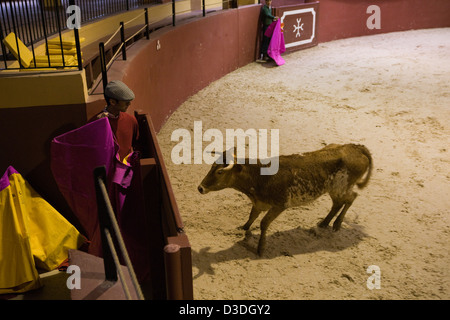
x=231, y=164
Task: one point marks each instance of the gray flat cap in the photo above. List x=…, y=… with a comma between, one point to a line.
x=119, y=91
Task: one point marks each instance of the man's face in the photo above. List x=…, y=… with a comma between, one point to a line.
x=120, y=105
x=268, y=2
x=123, y=105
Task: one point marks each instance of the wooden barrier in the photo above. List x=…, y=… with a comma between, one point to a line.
x=171, y=268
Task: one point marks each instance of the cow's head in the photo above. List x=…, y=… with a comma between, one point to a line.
x=221, y=175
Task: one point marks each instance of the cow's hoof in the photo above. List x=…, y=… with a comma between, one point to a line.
x=322, y=224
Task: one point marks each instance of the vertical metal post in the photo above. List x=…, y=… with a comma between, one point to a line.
x=122, y=39
x=204, y=7
x=77, y=42
x=29, y=34
x=147, y=32
x=14, y=18
x=101, y=46
x=173, y=13
x=60, y=36
x=44, y=27
x=110, y=266
x=1, y=40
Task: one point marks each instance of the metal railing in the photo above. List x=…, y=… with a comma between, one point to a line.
x=104, y=65
x=110, y=231
x=28, y=17
x=34, y=22
x=25, y=23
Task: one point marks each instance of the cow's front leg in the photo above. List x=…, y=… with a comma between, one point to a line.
x=271, y=215
x=253, y=215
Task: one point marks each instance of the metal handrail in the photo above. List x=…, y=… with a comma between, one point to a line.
x=108, y=228
x=105, y=66
x=122, y=47
x=34, y=21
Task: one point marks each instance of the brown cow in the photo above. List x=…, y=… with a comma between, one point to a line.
x=300, y=179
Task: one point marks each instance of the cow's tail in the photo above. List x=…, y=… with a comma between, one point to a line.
x=366, y=152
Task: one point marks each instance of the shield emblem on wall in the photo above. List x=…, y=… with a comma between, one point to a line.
x=299, y=25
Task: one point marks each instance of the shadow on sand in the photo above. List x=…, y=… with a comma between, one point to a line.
x=289, y=243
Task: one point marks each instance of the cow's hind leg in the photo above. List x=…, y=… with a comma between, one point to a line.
x=271, y=215
x=253, y=215
x=337, y=205
x=348, y=202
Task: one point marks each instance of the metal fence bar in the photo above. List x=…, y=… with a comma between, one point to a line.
x=117, y=263
x=2, y=44
x=45, y=32
x=108, y=223
x=147, y=32
x=173, y=13
x=59, y=33
x=15, y=32
x=77, y=42
x=31, y=37
x=101, y=46
x=122, y=39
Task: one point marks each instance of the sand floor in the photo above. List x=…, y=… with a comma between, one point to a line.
x=389, y=92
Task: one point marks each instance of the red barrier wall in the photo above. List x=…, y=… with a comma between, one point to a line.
x=195, y=53
x=347, y=18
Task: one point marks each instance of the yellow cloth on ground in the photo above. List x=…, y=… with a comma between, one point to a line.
x=32, y=235
x=16, y=46
x=66, y=42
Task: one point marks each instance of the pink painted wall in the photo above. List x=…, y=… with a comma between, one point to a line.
x=347, y=18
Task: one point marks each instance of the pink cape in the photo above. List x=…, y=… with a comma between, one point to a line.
x=276, y=45
x=74, y=156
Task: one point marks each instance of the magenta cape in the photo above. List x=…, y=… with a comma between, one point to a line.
x=276, y=45
x=74, y=156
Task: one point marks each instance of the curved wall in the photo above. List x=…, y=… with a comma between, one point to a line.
x=194, y=54
x=347, y=18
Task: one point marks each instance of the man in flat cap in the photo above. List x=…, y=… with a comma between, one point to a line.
x=124, y=126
